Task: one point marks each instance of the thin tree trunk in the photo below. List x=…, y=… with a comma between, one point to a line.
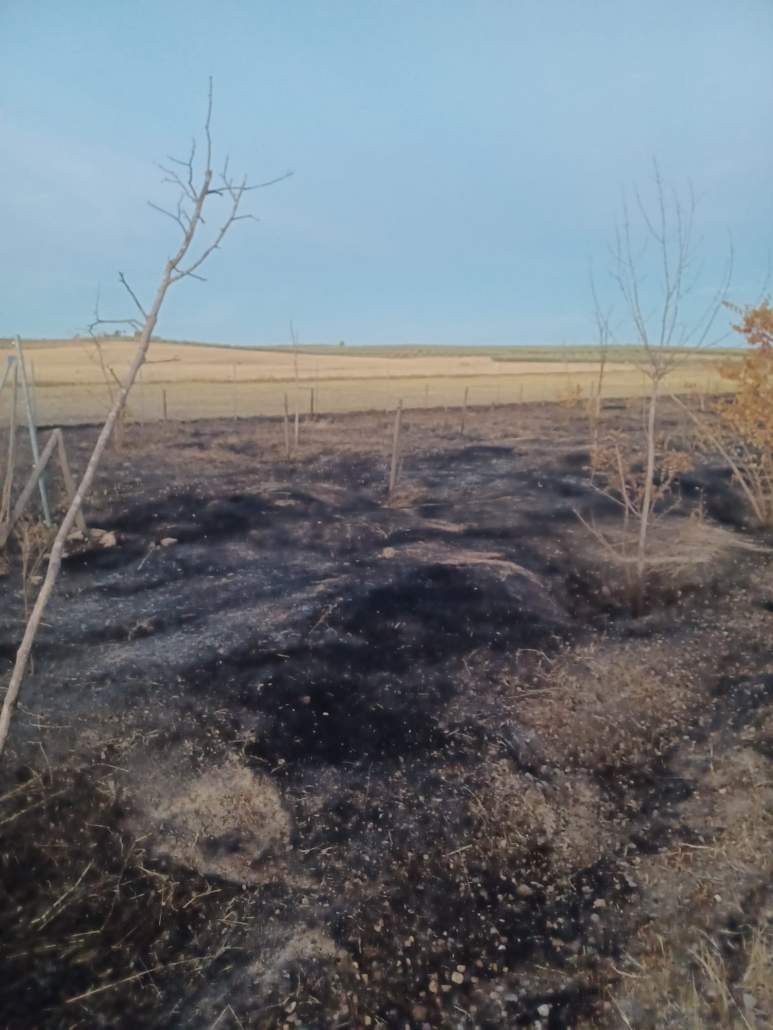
x=649, y=480
x=25, y=388
x=7, y=494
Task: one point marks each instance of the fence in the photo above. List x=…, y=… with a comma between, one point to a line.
x=233, y=397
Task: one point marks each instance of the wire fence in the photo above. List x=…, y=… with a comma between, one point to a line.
x=184, y=399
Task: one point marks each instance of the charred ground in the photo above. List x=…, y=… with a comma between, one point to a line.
x=326, y=760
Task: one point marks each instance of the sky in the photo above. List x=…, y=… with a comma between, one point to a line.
x=458, y=165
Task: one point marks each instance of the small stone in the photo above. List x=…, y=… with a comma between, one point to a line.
x=544, y=1011
x=419, y=1013
x=599, y=903
x=523, y=890
x=433, y=986
x=168, y=541
x=457, y=977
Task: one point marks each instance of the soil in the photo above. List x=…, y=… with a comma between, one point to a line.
x=294, y=753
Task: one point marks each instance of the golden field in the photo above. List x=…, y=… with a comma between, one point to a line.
x=73, y=382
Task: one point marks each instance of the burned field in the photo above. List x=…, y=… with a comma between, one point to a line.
x=293, y=754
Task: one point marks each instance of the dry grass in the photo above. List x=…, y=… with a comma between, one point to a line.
x=705, y=957
x=229, y=381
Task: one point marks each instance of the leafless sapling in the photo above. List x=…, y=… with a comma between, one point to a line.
x=197, y=187
x=655, y=269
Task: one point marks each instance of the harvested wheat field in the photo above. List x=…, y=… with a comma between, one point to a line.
x=75, y=380
x=297, y=754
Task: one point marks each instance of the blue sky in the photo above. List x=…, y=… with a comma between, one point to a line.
x=456, y=163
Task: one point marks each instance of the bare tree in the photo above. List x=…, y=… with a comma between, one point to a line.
x=197, y=187
x=666, y=311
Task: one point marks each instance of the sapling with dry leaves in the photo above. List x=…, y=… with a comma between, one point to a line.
x=198, y=190
x=740, y=427
x=654, y=269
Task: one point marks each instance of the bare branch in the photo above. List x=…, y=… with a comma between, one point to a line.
x=132, y=294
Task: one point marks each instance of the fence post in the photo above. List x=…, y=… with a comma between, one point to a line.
x=464, y=408
x=287, y=428
x=394, y=466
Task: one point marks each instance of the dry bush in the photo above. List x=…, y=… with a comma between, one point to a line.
x=745, y=424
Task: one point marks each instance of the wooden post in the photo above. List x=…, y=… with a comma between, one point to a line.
x=287, y=428
x=32, y=429
x=34, y=393
x=464, y=408
x=296, y=426
x=521, y=394
x=311, y=404
x=7, y=493
x=163, y=405
x=394, y=467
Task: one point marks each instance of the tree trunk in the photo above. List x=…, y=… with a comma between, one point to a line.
x=649, y=482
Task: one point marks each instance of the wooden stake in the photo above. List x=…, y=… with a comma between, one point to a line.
x=287, y=428
x=311, y=404
x=32, y=429
x=163, y=405
x=394, y=467
x=297, y=426
x=464, y=408
x=7, y=494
